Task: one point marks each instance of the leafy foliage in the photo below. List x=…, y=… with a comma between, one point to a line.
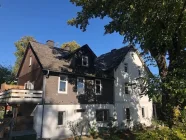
x=73, y=45
x=20, y=50
x=77, y=128
x=6, y=74
x=162, y=134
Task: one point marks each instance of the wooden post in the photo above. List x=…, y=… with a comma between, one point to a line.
x=5, y=110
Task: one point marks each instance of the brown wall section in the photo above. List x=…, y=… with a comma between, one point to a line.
x=31, y=73
x=53, y=97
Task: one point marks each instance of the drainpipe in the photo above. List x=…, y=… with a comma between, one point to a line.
x=43, y=101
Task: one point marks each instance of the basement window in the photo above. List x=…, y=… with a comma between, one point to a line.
x=85, y=61
x=102, y=115
x=61, y=117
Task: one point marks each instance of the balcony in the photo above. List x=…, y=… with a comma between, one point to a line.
x=14, y=94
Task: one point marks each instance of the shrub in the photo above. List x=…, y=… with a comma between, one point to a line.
x=162, y=134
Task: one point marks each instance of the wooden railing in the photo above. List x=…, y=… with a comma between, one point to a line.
x=21, y=96
x=5, y=87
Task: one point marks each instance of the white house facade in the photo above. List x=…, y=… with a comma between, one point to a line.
x=130, y=106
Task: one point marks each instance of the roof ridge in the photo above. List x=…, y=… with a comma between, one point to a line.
x=48, y=45
x=115, y=50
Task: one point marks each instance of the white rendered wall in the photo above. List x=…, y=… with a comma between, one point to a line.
x=132, y=100
x=50, y=126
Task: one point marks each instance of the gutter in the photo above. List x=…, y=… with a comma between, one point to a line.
x=81, y=75
x=43, y=101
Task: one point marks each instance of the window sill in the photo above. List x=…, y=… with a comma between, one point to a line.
x=60, y=92
x=102, y=121
x=60, y=126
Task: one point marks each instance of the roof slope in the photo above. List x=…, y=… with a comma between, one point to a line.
x=112, y=59
x=50, y=57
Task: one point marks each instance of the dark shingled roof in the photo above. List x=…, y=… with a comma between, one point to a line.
x=51, y=58
x=111, y=60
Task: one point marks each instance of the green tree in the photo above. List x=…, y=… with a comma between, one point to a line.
x=20, y=50
x=6, y=74
x=73, y=45
x=159, y=26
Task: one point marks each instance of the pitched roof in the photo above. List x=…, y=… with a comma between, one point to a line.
x=112, y=59
x=50, y=57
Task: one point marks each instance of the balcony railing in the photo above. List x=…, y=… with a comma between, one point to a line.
x=21, y=96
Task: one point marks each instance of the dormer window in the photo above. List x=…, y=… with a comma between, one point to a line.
x=30, y=61
x=85, y=61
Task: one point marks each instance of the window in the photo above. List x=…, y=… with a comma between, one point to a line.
x=61, y=117
x=127, y=113
x=139, y=71
x=85, y=61
x=30, y=61
x=126, y=88
x=80, y=85
x=98, y=87
x=102, y=115
x=143, y=112
x=62, y=87
x=126, y=67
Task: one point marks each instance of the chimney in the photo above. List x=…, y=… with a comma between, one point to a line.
x=113, y=50
x=50, y=43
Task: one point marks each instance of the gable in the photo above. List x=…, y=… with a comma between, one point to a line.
x=76, y=60
x=135, y=62
x=24, y=67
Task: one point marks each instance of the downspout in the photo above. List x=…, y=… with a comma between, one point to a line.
x=43, y=101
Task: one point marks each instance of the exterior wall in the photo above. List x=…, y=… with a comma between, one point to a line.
x=133, y=101
x=76, y=61
x=50, y=126
x=53, y=97
x=31, y=73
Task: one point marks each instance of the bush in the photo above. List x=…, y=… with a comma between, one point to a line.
x=162, y=134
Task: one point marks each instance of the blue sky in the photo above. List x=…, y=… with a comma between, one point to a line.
x=47, y=19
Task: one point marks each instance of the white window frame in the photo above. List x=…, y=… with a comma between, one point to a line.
x=100, y=87
x=86, y=59
x=30, y=61
x=83, y=85
x=59, y=80
x=64, y=118
x=126, y=66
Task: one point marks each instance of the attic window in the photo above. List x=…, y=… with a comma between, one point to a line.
x=30, y=61
x=139, y=71
x=126, y=67
x=85, y=61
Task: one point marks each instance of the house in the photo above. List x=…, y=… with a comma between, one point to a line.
x=128, y=68
x=62, y=86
